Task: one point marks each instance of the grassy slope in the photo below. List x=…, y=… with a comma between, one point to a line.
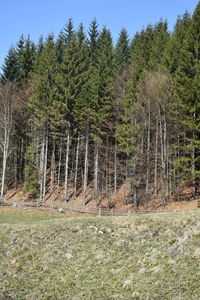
x=144, y=257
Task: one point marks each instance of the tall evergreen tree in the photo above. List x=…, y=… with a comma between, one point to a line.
x=68, y=33
x=187, y=84
x=10, y=67
x=122, y=50
x=40, y=104
x=92, y=40
x=172, y=54
x=159, y=44
x=26, y=52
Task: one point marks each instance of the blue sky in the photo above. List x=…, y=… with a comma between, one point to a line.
x=36, y=17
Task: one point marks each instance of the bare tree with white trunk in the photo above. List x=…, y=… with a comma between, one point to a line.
x=6, y=122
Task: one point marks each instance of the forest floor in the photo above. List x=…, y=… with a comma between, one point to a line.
x=119, y=199
x=46, y=255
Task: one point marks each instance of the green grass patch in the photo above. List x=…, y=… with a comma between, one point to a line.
x=46, y=256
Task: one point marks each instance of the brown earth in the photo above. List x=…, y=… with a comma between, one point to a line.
x=118, y=200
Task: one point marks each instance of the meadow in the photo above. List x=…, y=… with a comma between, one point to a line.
x=46, y=255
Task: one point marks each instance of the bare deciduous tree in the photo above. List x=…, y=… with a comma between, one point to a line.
x=7, y=102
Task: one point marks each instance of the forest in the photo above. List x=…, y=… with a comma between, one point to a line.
x=83, y=115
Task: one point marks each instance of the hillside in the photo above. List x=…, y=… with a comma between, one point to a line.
x=118, y=200
x=45, y=256
x=90, y=121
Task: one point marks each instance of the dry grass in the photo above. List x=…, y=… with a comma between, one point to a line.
x=45, y=256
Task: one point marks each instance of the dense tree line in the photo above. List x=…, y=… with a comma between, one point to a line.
x=79, y=113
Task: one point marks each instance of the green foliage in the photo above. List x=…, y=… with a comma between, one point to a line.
x=120, y=96
x=68, y=34
x=92, y=40
x=31, y=172
x=187, y=86
x=44, y=77
x=122, y=50
x=19, y=62
x=72, y=79
x=10, y=67
x=172, y=55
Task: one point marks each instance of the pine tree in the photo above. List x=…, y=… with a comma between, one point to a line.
x=68, y=34
x=92, y=40
x=70, y=82
x=187, y=84
x=159, y=44
x=26, y=52
x=81, y=34
x=122, y=50
x=10, y=67
x=172, y=57
x=31, y=171
x=40, y=45
x=40, y=104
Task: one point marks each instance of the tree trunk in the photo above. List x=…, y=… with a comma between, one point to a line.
x=106, y=172
x=45, y=167
x=52, y=179
x=148, y=148
x=177, y=180
x=41, y=174
x=21, y=162
x=96, y=158
x=16, y=154
x=6, y=94
x=66, y=169
x=59, y=162
x=162, y=163
x=5, y=156
x=115, y=167
x=193, y=169
x=85, y=170
x=156, y=160
x=76, y=167
x=133, y=184
x=165, y=152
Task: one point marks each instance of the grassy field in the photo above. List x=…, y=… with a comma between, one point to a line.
x=45, y=256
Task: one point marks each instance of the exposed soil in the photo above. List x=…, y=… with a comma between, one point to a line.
x=118, y=200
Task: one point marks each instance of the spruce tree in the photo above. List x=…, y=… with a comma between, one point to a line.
x=92, y=40
x=10, y=67
x=68, y=34
x=159, y=44
x=40, y=104
x=122, y=50
x=187, y=85
x=172, y=54
x=26, y=52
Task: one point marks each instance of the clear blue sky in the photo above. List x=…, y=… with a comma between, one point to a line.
x=36, y=17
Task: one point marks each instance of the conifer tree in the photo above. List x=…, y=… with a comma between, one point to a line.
x=159, y=44
x=122, y=50
x=90, y=109
x=187, y=84
x=40, y=104
x=172, y=55
x=71, y=82
x=26, y=51
x=92, y=40
x=68, y=33
x=10, y=67
x=40, y=45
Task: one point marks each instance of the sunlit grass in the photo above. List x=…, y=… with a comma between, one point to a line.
x=45, y=256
